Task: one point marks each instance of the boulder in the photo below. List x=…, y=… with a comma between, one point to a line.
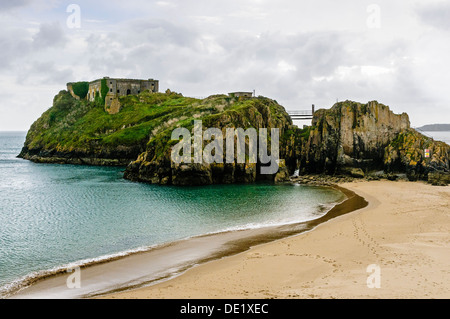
x=439, y=178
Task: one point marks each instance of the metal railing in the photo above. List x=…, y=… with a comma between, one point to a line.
x=423, y=132
x=302, y=114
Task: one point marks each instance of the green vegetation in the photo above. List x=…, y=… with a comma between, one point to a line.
x=104, y=90
x=399, y=141
x=80, y=89
x=145, y=121
x=98, y=100
x=354, y=108
x=304, y=133
x=320, y=125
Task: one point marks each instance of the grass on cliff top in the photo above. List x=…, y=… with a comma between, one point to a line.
x=80, y=125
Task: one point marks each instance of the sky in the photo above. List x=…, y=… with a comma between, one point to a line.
x=298, y=53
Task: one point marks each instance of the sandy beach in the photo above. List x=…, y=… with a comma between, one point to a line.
x=396, y=247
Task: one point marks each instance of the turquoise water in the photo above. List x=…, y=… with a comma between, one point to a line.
x=52, y=215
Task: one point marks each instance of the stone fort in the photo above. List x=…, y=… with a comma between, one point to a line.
x=116, y=88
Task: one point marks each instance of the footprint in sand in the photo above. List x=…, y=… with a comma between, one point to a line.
x=361, y=234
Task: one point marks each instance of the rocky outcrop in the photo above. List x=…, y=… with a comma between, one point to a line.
x=357, y=139
x=417, y=155
x=155, y=164
x=76, y=131
x=119, y=156
x=439, y=178
x=350, y=135
x=70, y=132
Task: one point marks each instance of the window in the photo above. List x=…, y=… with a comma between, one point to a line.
x=110, y=90
x=118, y=91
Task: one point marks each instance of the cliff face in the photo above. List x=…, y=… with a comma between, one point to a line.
x=155, y=165
x=349, y=135
x=354, y=138
x=139, y=136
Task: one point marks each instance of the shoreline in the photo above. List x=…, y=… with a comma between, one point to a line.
x=199, y=250
x=405, y=231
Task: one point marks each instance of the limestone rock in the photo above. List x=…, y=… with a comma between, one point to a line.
x=350, y=134
x=283, y=173
x=153, y=166
x=407, y=153
x=353, y=172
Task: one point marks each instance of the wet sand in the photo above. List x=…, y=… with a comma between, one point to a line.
x=167, y=261
x=404, y=234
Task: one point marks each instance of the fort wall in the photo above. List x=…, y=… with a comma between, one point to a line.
x=116, y=88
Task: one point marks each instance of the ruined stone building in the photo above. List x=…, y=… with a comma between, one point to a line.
x=115, y=89
x=241, y=94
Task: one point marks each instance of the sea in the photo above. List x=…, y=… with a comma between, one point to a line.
x=443, y=136
x=54, y=215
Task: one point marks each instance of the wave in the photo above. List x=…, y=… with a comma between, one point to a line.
x=23, y=282
x=26, y=281
x=322, y=209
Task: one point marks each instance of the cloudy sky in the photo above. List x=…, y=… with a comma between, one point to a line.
x=296, y=52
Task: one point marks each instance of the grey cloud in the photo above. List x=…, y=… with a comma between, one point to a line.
x=49, y=35
x=436, y=15
x=17, y=43
x=43, y=72
x=161, y=32
x=14, y=44
x=6, y=5
x=319, y=54
x=259, y=61
x=175, y=54
x=241, y=61
x=154, y=47
x=50, y=73
x=106, y=55
x=198, y=57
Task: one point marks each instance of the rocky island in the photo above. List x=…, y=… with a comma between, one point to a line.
x=363, y=139
x=79, y=131
x=350, y=138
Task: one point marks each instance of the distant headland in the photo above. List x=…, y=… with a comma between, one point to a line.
x=435, y=127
